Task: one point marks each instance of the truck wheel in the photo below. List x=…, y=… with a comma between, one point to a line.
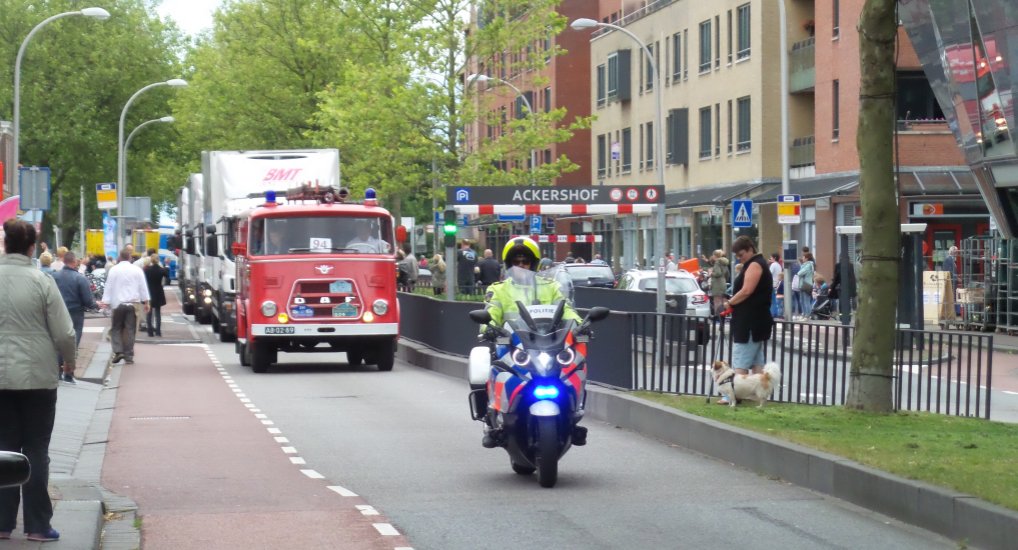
x=386, y=356
x=244, y=351
x=262, y=356
x=215, y=325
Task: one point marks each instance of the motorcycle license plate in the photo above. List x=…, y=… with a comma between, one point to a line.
x=344, y=310
x=279, y=330
x=340, y=287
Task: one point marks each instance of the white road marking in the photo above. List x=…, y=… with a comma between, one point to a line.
x=281, y=439
x=268, y=422
x=297, y=460
x=403, y=548
x=312, y=474
x=244, y=400
x=342, y=491
x=274, y=431
x=1010, y=392
x=256, y=410
x=261, y=416
x=92, y=330
x=242, y=395
x=367, y=509
x=289, y=450
x=386, y=529
x=238, y=390
x=249, y=405
x=232, y=385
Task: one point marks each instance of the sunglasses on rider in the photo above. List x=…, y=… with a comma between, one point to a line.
x=521, y=260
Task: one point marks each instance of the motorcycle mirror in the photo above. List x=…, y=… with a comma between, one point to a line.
x=14, y=469
x=597, y=313
x=480, y=316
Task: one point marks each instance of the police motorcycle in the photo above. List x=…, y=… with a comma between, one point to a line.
x=528, y=383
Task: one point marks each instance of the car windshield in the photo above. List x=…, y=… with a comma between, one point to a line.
x=582, y=273
x=321, y=234
x=673, y=285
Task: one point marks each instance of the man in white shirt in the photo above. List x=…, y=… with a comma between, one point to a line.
x=366, y=242
x=125, y=288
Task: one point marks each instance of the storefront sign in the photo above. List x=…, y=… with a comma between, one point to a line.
x=627, y=194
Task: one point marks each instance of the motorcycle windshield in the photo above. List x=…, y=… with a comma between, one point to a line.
x=539, y=326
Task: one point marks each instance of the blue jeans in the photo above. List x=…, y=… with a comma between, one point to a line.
x=26, y=428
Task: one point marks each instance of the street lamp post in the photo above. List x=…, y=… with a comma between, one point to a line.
x=482, y=78
x=96, y=13
x=127, y=142
x=659, y=167
x=121, y=183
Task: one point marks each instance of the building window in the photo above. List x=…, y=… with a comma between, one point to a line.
x=601, y=99
x=835, y=108
x=613, y=76
x=729, y=20
x=627, y=150
x=836, y=23
x=717, y=42
x=547, y=156
x=729, y=126
x=648, y=68
x=642, y=147
x=717, y=129
x=743, y=43
x=705, y=46
x=676, y=56
x=744, y=125
x=705, y=133
x=602, y=150
x=685, y=54
x=547, y=99
x=650, y=144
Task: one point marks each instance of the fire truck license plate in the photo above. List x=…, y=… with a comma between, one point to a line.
x=344, y=310
x=340, y=287
x=279, y=330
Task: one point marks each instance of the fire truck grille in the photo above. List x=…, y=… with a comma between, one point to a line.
x=316, y=300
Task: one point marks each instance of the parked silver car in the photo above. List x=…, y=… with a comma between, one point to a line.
x=676, y=282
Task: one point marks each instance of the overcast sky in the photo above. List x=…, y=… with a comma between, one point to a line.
x=192, y=16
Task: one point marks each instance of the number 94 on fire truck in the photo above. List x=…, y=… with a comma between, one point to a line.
x=315, y=274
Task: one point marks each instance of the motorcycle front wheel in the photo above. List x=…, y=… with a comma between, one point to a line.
x=547, y=451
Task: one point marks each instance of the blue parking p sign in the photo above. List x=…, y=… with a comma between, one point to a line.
x=742, y=213
x=535, y=225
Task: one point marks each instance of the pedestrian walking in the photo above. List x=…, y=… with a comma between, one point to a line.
x=466, y=261
x=125, y=288
x=491, y=269
x=437, y=268
x=46, y=263
x=78, y=297
x=34, y=328
x=750, y=303
x=807, y=269
x=154, y=274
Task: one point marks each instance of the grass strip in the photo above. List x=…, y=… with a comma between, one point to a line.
x=974, y=456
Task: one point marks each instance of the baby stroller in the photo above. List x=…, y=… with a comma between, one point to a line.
x=822, y=307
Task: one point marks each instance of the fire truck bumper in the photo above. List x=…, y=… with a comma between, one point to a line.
x=324, y=330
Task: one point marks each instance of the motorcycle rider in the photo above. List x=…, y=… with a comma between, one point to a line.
x=521, y=256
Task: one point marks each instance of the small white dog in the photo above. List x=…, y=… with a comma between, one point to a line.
x=754, y=387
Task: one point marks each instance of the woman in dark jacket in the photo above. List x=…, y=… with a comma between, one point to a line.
x=154, y=273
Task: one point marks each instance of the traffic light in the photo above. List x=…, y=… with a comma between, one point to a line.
x=449, y=228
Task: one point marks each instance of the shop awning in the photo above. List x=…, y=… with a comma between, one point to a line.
x=938, y=182
x=717, y=194
x=812, y=188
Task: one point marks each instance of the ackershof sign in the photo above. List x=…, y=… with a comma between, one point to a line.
x=622, y=194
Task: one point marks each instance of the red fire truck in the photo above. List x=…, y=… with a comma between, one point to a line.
x=316, y=274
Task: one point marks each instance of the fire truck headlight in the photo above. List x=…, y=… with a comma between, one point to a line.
x=380, y=307
x=268, y=308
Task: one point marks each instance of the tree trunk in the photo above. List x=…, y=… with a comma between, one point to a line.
x=870, y=381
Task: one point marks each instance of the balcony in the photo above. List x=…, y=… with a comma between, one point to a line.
x=802, y=152
x=802, y=66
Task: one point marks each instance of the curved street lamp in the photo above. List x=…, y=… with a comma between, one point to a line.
x=127, y=142
x=121, y=167
x=659, y=165
x=483, y=78
x=95, y=13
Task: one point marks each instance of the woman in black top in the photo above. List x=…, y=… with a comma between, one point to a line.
x=750, y=304
x=154, y=273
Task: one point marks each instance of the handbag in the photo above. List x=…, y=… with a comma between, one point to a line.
x=806, y=287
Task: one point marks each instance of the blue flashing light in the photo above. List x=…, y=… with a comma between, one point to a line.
x=369, y=194
x=270, y=196
x=546, y=392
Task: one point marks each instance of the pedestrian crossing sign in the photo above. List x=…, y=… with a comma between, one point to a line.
x=742, y=213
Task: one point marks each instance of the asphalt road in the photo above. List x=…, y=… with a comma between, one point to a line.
x=403, y=442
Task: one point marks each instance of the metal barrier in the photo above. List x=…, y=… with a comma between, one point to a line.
x=934, y=371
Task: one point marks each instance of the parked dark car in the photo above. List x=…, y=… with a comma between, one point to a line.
x=590, y=275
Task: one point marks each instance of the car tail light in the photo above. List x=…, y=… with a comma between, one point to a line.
x=700, y=298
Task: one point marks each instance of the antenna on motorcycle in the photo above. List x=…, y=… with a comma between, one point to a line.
x=525, y=315
x=559, y=311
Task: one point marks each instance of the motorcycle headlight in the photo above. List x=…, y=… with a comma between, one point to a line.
x=566, y=357
x=268, y=308
x=520, y=357
x=380, y=307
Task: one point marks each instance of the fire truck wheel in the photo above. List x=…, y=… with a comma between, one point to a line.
x=386, y=356
x=262, y=355
x=354, y=357
x=245, y=354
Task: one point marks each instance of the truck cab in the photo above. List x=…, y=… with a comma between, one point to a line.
x=316, y=275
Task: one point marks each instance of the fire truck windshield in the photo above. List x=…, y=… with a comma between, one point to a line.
x=320, y=234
